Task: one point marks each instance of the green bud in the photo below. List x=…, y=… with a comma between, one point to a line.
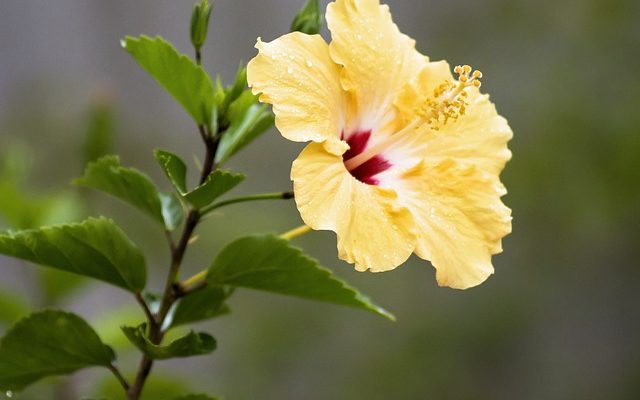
x=239, y=85
x=309, y=19
x=234, y=91
x=200, y=23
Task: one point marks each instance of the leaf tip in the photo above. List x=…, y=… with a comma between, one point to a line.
x=384, y=313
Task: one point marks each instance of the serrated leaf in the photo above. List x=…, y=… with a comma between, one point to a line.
x=217, y=183
x=49, y=343
x=195, y=397
x=248, y=120
x=201, y=305
x=193, y=344
x=267, y=262
x=174, y=168
x=130, y=186
x=96, y=248
x=127, y=184
x=187, y=82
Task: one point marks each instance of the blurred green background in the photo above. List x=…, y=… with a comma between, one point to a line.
x=558, y=320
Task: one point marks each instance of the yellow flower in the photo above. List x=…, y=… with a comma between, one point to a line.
x=403, y=156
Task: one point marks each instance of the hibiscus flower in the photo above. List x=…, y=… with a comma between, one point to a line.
x=404, y=157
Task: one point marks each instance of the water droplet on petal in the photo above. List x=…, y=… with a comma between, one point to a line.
x=309, y=63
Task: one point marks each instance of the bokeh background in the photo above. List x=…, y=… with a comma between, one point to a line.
x=559, y=320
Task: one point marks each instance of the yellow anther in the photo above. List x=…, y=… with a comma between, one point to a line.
x=465, y=76
x=449, y=99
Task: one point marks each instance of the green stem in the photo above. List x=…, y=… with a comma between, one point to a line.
x=194, y=279
x=118, y=375
x=147, y=312
x=294, y=233
x=170, y=295
x=244, y=199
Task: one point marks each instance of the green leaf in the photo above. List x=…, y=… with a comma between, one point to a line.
x=267, y=262
x=130, y=186
x=172, y=211
x=49, y=343
x=217, y=183
x=234, y=91
x=309, y=19
x=201, y=305
x=196, y=397
x=248, y=120
x=127, y=184
x=187, y=82
x=193, y=344
x=174, y=168
x=96, y=248
x=219, y=92
x=12, y=306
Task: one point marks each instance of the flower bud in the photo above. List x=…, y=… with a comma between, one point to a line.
x=200, y=23
x=309, y=19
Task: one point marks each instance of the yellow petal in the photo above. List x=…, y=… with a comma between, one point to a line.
x=295, y=74
x=460, y=218
x=373, y=231
x=479, y=136
x=413, y=95
x=379, y=60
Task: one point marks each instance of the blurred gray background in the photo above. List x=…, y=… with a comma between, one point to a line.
x=558, y=320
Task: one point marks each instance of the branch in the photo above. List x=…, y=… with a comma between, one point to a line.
x=177, y=255
x=119, y=376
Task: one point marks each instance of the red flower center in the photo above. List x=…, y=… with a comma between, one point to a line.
x=366, y=171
